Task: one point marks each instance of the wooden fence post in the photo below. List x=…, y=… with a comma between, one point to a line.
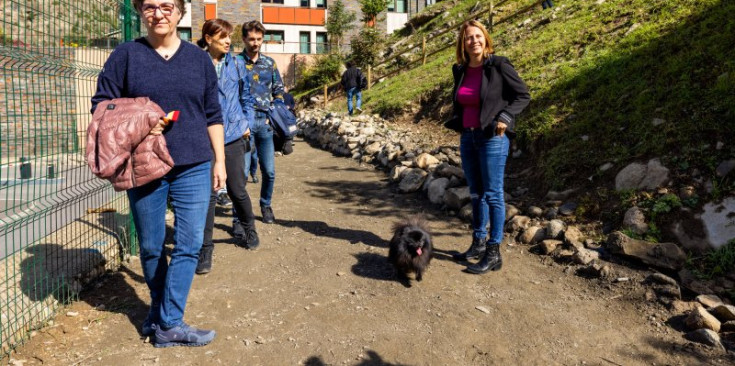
x=423, y=50
x=370, y=76
x=325, y=95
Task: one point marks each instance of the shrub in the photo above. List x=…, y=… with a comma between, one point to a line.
x=325, y=70
x=366, y=47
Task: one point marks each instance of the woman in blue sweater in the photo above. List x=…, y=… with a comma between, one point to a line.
x=178, y=76
x=237, y=112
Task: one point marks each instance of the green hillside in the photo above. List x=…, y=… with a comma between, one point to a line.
x=611, y=81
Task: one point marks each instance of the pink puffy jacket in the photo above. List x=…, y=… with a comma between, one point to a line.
x=119, y=147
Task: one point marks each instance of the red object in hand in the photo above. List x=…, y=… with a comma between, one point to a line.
x=171, y=117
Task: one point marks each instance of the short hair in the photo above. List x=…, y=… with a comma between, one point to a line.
x=462, y=57
x=348, y=64
x=179, y=4
x=252, y=26
x=212, y=28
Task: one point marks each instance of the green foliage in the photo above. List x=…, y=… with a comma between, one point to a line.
x=371, y=8
x=715, y=263
x=366, y=47
x=665, y=204
x=324, y=70
x=605, y=71
x=339, y=21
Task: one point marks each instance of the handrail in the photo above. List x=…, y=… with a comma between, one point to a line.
x=410, y=64
x=445, y=31
x=501, y=21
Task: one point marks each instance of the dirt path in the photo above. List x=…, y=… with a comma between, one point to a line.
x=319, y=291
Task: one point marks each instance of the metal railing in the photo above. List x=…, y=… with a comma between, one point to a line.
x=410, y=61
x=60, y=226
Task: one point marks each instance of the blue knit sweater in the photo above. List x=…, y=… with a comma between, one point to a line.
x=186, y=82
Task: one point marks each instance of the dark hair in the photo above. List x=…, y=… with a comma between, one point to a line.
x=212, y=28
x=179, y=4
x=252, y=26
x=348, y=64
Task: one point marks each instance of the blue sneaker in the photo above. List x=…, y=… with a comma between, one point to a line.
x=183, y=335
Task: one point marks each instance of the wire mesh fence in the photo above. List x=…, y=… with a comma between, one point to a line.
x=60, y=226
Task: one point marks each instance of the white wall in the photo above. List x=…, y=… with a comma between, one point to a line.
x=291, y=38
x=395, y=21
x=185, y=22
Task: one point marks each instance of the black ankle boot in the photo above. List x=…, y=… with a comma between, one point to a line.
x=476, y=250
x=490, y=262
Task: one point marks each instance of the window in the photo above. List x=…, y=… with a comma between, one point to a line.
x=273, y=37
x=273, y=1
x=210, y=11
x=321, y=3
x=397, y=6
x=321, y=42
x=185, y=34
x=305, y=42
x=305, y=3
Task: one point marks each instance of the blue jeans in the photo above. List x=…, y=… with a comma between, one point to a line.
x=483, y=162
x=262, y=134
x=350, y=93
x=189, y=188
x=547, y=4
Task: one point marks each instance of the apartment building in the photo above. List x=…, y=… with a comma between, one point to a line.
x=295, y=29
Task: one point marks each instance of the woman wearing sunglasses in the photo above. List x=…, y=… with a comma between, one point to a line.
x=178, y=76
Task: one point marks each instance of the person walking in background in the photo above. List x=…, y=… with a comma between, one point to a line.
x=151, y=67
x=487, y=95
x=351, y=80
x=237, y=113
x=547, y=4
x=267, y=85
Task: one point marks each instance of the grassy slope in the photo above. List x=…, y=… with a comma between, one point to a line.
x=606, y=71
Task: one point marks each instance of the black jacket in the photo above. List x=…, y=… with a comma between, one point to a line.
x=503, y=95
x=351, y=78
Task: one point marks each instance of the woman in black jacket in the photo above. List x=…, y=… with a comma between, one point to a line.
x=488, y=94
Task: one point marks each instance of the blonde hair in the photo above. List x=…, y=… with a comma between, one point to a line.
x=462, y=57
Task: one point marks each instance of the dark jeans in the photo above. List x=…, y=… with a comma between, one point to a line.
x=251, y=165
x=188, y=188
x=236, y=181
x=547, y=4
x=483, y=162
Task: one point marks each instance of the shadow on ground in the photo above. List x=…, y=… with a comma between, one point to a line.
x=373, y=359
x=52, y=271
x=319, y=228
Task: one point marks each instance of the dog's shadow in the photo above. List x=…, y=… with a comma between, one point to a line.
x=377, y=267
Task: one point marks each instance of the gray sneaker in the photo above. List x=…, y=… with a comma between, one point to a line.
x=183, y=335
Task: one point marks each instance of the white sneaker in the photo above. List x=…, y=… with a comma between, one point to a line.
x=359, y=110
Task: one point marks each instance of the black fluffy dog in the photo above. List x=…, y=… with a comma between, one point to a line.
x=410, y=248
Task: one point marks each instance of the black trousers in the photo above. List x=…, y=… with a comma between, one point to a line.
x=236, y=181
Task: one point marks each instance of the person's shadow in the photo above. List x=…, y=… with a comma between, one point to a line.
x=51, y=271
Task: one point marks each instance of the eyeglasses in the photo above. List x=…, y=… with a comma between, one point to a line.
x=165, y=8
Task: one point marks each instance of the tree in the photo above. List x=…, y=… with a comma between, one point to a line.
x=339, y=21
x=371, y=9
x=367, y=46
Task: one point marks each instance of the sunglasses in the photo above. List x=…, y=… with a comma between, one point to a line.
x=150, y=9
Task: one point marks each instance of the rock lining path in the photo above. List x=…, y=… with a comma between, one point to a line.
x=319, y=291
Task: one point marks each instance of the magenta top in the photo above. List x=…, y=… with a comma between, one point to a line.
x=468, y=95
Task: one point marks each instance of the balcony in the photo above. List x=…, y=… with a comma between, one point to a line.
x=293, y=15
